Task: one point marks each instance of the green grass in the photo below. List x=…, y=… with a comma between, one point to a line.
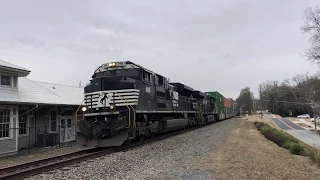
x=313, y=154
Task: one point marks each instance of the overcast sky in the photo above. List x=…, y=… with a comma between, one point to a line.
x=218, y=45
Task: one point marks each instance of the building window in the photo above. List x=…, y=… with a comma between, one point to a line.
x=23, y=121
x=53, y=120
x=4, y=123
x=5, y=80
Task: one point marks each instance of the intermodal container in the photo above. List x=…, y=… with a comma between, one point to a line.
x=226, y=103
x=217, y=96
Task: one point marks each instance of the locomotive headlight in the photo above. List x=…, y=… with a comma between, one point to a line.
x=112, y=64
x=111, y=106
x=84, y=109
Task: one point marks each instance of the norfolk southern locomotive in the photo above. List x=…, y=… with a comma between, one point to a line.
x=125, y=101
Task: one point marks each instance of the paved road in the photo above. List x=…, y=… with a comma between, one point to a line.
x=280, y=124
x=291, y=124
x=306, y=136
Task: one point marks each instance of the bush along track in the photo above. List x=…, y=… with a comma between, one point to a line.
x=288, y=142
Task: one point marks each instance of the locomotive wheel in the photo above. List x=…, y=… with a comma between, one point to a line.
x=152, y=135
x=147, y=133
x=128, y=141
x=141, y=137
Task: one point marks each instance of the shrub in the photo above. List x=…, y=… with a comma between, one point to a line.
x=281, y=138
x=265, y=128
x=259, y=125
x=297, y=149
x=274, y=138
x=287, y=144
x=288, y=137
x=313, y=154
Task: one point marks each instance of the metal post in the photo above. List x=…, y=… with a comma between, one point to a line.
x=314, y=111
x=260, y=102
x=59, y=135
x=273, y=107
x=29, y=139
x=289, y=113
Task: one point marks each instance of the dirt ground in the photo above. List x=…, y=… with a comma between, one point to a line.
x=248, y=155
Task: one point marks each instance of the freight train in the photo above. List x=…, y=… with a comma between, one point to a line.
x=125, y=102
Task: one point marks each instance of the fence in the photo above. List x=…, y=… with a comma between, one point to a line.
x=37, y=138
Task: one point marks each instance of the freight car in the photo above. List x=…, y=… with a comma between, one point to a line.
x=125, y=101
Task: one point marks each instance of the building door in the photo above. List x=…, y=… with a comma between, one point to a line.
x=67, y=129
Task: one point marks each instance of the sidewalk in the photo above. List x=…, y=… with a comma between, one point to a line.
x=307, y=137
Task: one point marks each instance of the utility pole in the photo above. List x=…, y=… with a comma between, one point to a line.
x=260, y=102
x=314, y=111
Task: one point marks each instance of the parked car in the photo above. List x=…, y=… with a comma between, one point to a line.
x=304, y=116
x=312, y=120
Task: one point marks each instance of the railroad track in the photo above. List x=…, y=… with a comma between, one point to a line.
x=44, y=165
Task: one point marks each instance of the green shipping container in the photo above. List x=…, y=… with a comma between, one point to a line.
x=217, y=96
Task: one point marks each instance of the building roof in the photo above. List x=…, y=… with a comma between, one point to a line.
x=8, y=66
x=42, y=93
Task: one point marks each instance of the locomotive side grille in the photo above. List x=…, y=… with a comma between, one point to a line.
x=102, y=99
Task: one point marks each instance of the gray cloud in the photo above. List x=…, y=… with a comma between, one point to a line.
x=219, y=45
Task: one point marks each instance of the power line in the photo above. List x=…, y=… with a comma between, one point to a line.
x=287, y=102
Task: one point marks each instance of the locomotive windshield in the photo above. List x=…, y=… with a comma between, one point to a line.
x=118, y=72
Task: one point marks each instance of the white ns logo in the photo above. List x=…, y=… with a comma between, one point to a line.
x=105, y=98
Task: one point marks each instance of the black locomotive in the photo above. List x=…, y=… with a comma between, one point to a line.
x=125, y=101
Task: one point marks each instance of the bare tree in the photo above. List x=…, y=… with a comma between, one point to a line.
x=298, y=94
x=312, y=26
x=246, y=99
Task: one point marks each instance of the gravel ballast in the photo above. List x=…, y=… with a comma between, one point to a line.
x=173, y=158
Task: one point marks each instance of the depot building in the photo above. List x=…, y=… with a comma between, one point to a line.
x=35, y=113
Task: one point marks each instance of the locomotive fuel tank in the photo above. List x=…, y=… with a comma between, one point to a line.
x=173, y=124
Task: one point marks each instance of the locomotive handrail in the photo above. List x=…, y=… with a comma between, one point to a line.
x=134, y=112
x=127, y=107
x=76, y=113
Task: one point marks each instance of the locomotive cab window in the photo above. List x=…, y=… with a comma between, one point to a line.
x=159, y=80
x=146, y=76
x=133, y=73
